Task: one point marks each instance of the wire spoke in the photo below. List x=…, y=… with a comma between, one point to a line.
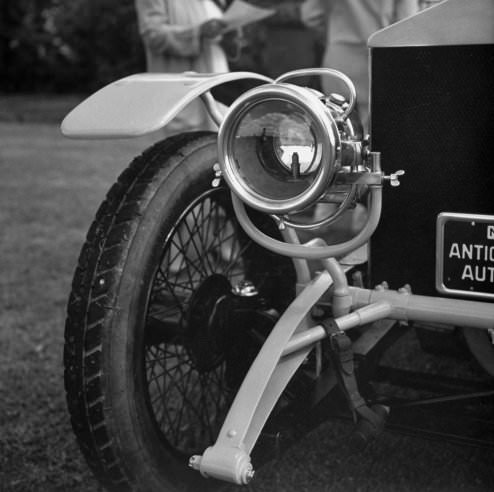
x=187, y=388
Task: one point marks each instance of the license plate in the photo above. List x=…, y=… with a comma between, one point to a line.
x=465, y=255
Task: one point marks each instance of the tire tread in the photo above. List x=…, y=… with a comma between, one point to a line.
x=93, y=290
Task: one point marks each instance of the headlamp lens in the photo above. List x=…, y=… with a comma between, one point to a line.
x=294, y=141
x=275, y=149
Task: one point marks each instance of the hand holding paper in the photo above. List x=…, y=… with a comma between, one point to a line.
x=212, y=28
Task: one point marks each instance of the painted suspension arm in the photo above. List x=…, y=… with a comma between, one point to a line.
x=288, y=345
x=411, y=307
x=229, y=458
x=374, y=305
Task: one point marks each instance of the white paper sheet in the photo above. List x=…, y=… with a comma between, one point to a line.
x=240, y=13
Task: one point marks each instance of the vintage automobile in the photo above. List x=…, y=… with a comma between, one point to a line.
x=234, y=282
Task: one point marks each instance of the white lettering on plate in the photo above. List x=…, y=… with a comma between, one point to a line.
x=475, y=252
x=478, y=273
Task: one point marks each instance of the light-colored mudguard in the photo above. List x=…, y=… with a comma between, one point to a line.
x=142, y=103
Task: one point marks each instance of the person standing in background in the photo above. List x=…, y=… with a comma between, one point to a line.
x=345, y=26
x=180, y=36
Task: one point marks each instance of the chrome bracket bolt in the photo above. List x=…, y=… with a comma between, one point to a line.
x=195, y=462
x=249, y=475
x=393, y=178
x=217, y=176
x=245, y=288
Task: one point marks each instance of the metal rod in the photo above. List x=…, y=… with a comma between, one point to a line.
x=213, y=108
x=325, y=72
x=442, y=399
x=411, y=307
x=342, y=300
x=312, y=253
x=300, y=264
x=364, y=315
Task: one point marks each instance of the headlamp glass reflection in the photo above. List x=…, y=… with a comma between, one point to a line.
x=275, y=149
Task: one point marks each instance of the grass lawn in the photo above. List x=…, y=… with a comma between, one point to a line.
x=50, y=188
x=49, y=192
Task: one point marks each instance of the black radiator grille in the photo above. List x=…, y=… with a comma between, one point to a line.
x=432, y=115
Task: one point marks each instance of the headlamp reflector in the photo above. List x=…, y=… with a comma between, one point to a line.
x=275, y=149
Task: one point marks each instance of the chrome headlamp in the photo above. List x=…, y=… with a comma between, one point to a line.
x=279, y=148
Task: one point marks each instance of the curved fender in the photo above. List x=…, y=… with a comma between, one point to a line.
x=142, y=103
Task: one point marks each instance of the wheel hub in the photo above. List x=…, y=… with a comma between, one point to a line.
x=206, y=322
x=226, y=325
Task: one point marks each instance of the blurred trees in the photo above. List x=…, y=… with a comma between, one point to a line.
x=67, y=45
x=26, y=46
x=80, y=45
x=103, y=39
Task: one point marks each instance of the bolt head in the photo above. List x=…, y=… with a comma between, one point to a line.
x=245, y=288
x=194, y=461
x=249, y=475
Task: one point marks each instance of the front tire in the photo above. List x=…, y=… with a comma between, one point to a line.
x=146, y=388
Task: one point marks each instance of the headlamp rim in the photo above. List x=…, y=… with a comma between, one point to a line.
x=326, y=134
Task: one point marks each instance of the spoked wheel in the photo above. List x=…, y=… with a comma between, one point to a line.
x=190, y=338
x=156, y=343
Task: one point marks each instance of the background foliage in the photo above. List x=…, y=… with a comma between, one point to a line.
x=62, y=45
x=80, y=45
x=74, y=45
